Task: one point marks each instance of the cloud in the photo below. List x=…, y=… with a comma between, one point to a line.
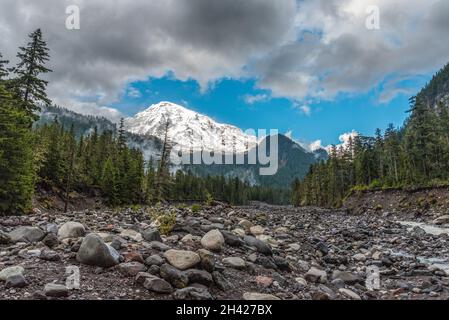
x=122, y=41
x=295, y=49
x=134, y=93
x=305, y=109
x=251, y=99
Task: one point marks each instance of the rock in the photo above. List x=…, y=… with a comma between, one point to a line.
x=301, y=281
x=4, y=238
x=16, y=281
x=142, y=276
x=95, y=252
x=207, y=260
x=199, y=276
x=245, y=224
x=49, y=255
x=346, y=277
x=51, y=240
x=192, y=293
x=256, y=230
x=359, y=257
x=264, y=281
x=221, y=282
x=71, y=229
x=281, y=263
x=151, y=234
x=261, y=246
x=234, y=262
x=441, y=220
x=213, y=240
x=10, y=272
x=316, y=275
x=131, y=269
x=294, y=247
x=239, y=232
x=26, y=234
x=133, y=256
x=131, y=235
x=117, y=243
x=259, y=296
x=190, y=239
x=231, y=239
x=159, y=246
x=154, y=259
x=322, y=247
x=182, y=259
x=157, y=285
x=349, y=293
x=52, y=228
x=176, y=277
x=56, y=290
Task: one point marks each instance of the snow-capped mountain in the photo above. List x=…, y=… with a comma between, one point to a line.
x=189, y=129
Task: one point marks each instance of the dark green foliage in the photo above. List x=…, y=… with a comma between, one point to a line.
x=16, y=152
x=32, y=59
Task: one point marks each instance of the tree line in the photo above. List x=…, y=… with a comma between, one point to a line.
x=415, y=155
x=52, y=155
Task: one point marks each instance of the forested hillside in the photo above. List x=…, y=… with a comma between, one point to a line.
x=415, y=155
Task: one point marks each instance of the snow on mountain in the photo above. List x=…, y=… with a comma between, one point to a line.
x=189, y=129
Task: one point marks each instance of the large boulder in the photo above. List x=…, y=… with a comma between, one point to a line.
x=176, y=277
x=213, y=240
x=95, y=252
x=27, y=234
x=182, y=259
x=71, y=229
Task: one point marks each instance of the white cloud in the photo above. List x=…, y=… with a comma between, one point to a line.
x=134, y=93
x=305, y=109
x=251, y=99
x=124, y=41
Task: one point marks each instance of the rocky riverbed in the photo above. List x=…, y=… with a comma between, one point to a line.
x=220, y=252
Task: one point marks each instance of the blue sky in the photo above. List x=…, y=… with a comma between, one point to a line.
x=226, y=102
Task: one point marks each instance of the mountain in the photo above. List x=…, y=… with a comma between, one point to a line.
x=145, y=131
x=188, y=129
x=437, y=90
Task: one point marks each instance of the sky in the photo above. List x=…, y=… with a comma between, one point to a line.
x=315, y=69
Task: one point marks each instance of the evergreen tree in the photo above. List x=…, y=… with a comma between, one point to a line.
x=29, y=85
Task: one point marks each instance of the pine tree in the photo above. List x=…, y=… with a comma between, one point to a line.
x=29, y=85
x=16, y=154
x=3, y=70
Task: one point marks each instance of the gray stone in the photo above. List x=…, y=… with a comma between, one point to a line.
x=231, y=239
x=441, y=220
x=56, y=290
x=154, y=259
x=199, y=276
x=51, y=240
x=49, y=255
x=16, y=281
x=11, y=271
x=176, y=277
x=349, y=293
x=4, y=238
x=207, y=259
x=221, y=282
x=27, y=234
x=234, y=262
x=95, y=252
x=157, y=285
x=261, y=246
x=131, y=269
x=151, y=234
x=182, y=259
x=159, y=246
x=316, y=275
x=71, y=229
x=346, y=277
x=213, y=240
